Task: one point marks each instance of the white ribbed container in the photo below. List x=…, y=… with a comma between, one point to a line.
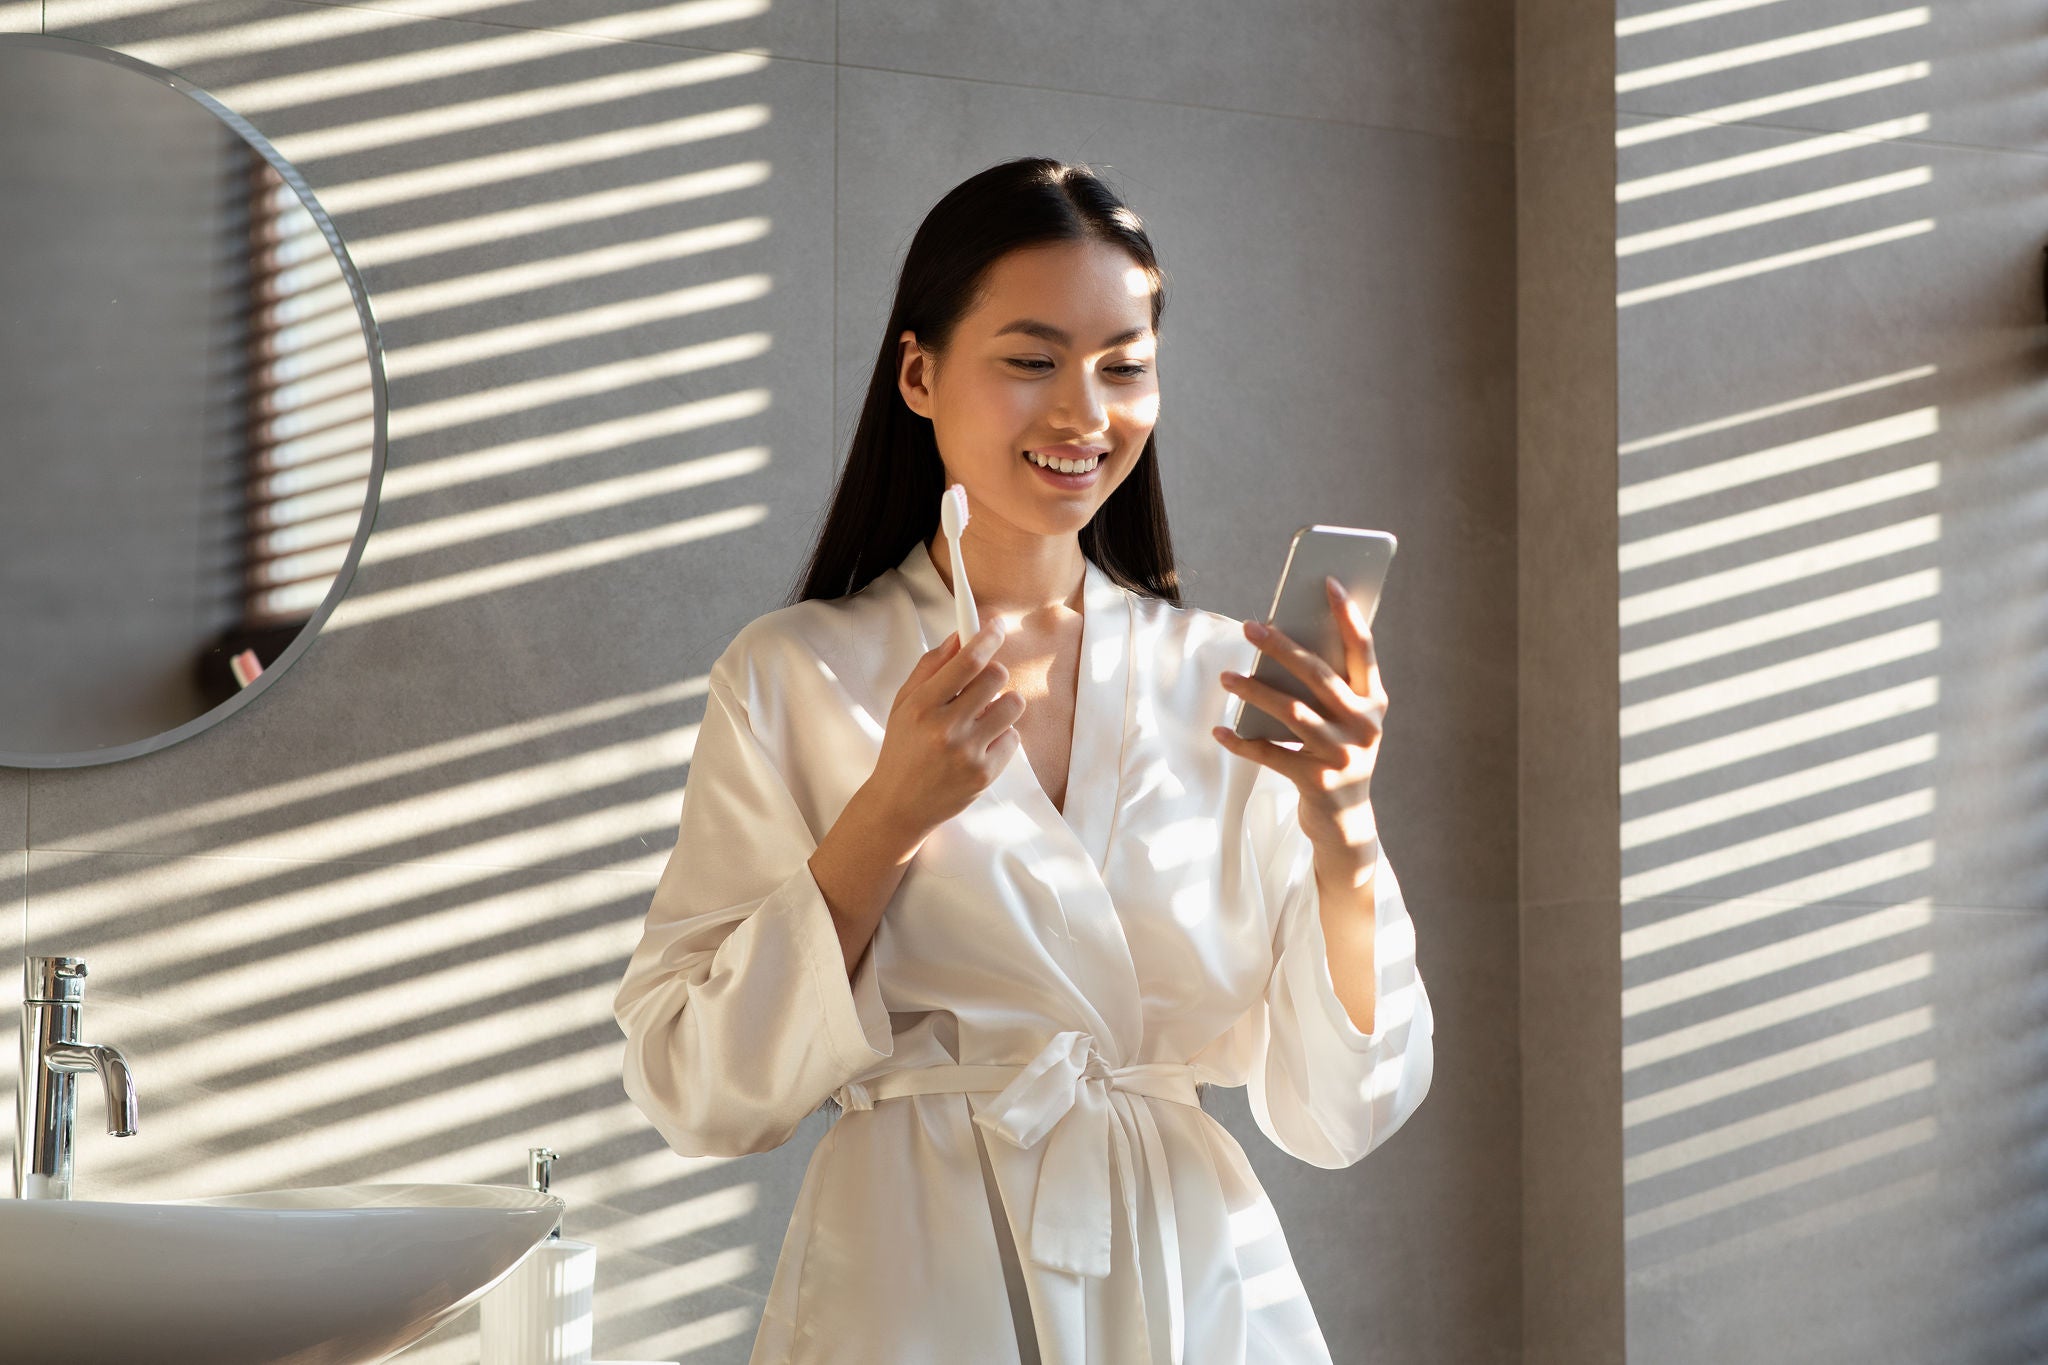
x=541, y=1313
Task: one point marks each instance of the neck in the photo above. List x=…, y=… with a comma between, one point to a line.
x=1035, y=582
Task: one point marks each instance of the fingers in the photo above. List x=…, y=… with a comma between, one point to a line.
x=1315, y=731
x=1266, y=753
x=932, y=659
x=967, y=684
x=981, y=690
x=1340, y=695
x=1359, y=652
x=955, y=672
x=997, y=719
x=1331, y=691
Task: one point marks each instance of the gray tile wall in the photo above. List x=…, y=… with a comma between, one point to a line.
x=17, y=16
x=13, y=921
x=368, y=928
x=1573, y=1273
x=1830, y=503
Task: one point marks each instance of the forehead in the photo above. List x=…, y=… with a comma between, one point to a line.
x=1088, y=290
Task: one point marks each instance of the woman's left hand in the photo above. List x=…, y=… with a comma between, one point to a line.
x=1340, y=736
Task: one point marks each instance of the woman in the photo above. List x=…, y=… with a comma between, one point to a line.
x=1011, y=975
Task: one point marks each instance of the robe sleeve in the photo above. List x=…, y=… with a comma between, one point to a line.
x=1320, y=1089
x=738, y=1014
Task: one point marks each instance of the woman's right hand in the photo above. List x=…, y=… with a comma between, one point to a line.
x=949, y=734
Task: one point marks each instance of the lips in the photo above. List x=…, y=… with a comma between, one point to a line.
x=1093, y=456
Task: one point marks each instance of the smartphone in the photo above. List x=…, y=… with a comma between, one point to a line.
x=1301, y=611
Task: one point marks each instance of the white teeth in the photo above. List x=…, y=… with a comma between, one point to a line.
x=1064, y=466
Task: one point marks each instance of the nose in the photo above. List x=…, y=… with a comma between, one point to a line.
x=1082, y=406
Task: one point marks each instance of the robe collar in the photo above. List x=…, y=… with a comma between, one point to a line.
x=1101, y=702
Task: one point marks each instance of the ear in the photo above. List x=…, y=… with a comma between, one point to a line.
x=912, y=375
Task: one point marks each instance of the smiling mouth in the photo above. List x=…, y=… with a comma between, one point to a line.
x=1058, y=466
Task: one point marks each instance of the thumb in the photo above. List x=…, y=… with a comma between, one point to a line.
x=937, y=655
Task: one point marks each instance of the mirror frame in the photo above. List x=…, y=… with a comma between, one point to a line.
x=379, y=436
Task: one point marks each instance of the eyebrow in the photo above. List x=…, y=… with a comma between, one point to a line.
x=1045, y=331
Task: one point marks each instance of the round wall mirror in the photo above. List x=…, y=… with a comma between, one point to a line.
x=192, y=412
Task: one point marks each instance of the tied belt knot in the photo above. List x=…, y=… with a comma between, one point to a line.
x=1061, y=1097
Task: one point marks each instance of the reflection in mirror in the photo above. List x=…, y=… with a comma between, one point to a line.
x=191, y=408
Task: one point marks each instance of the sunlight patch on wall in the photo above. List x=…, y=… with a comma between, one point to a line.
x=1774, y=792
x=273, y=797
x=1771, y=1228
x=1769, y=158
x=1674, y=15
x=1764, y=106
x=1777, y=1066
x=1812, y=1110
x=1786, y=623
x=1770, y=50
x=526, y=162
x=1777, y=845
x=456, y=587
x=436, y=64
x=621, y=1181
x=677, y=1343
x=1775, y=211
x=1791, y=405
x=1779, y=516
x=1784, y=1178
x=1775, y=571
x=529, y=220
x=596, y=438
x=525, y=513
x=301, y=1155
x=595, y=381
x=684, y=1217
x=320, y=1090
x=390, y=130
x=112, y=900
x=660, y=1288
x=1740, y=968
x=1773, y=736
x=540, y=333
x=496, y=1151
x=1779, y=1010
x=1771, y=633
x=1784, y=260
x=1755, y=466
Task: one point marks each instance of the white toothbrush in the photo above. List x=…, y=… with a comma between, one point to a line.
x=953, y=520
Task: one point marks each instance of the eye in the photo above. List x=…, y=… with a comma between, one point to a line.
x=1128, y=371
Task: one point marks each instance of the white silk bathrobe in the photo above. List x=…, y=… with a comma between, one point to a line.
x=1022, y=1170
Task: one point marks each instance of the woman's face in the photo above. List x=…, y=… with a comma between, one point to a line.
x=1009, y=385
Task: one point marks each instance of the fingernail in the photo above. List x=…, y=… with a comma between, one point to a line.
x=1254, y=630
x=1333, y=585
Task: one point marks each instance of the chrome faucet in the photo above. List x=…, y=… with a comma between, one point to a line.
x=46, y=1099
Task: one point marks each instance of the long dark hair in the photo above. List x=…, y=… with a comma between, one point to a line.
x=888, y=494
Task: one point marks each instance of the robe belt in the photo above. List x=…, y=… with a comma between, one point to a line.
x=1061, y=1096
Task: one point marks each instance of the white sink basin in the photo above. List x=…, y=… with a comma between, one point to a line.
x=334, y=1275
